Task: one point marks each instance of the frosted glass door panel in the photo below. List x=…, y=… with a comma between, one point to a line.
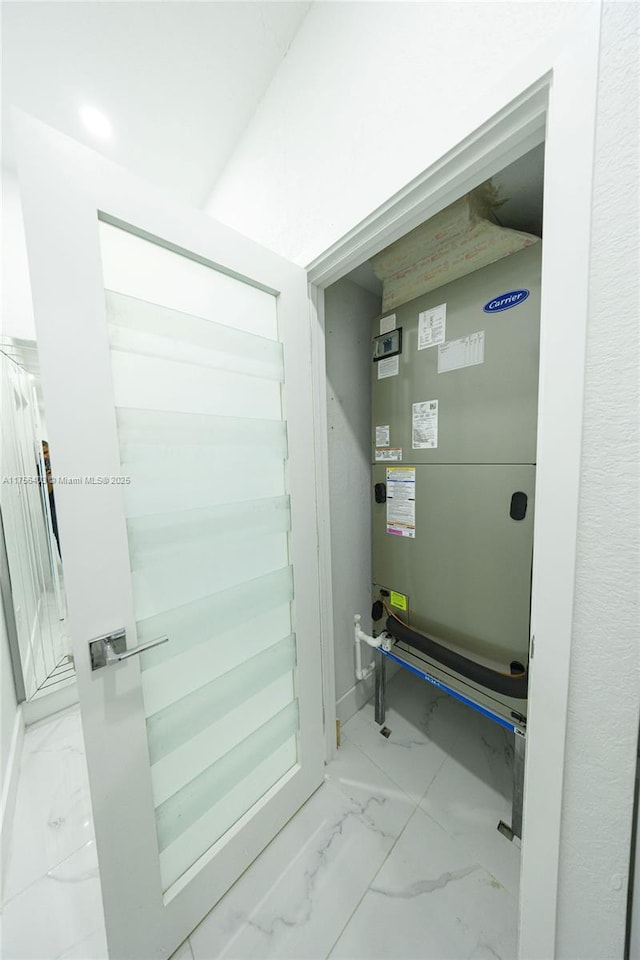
x=148, y=329
x=179, y=675
x=151, y=383
x=156, y=275
x=197, y=384
x=229, y=788
x=193, y=623
x=185, y=575
x=192, y=447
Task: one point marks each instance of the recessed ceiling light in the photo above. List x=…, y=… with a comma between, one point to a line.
x=96, y=122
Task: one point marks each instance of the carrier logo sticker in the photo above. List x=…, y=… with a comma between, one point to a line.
x=505, y=301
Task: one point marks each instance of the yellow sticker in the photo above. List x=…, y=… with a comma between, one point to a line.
x=398, y=600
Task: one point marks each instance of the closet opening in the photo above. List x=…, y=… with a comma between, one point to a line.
x=432, y=371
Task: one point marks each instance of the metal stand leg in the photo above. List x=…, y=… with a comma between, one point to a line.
x=381, y=687
x=515, y=830
x=518, y=784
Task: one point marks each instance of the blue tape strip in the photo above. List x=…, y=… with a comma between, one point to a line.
x=454, y=693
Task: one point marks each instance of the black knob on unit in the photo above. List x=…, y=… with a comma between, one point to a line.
x=381, y=492
x=518, y=509
x=377, y=609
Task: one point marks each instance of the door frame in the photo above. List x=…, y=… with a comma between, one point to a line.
x=544, y=111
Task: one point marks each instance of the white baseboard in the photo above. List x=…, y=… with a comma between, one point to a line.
x=354, y=699
x=45, y=704
x=10, y=791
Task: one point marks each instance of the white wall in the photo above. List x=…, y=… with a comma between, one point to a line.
x=362, y=104
x=8, y=705
x=634, y=931
x=16, y=321
x=605, y=677
x=17, y=309
x=349, y=311
x=11, y=736
x=26, y=529
x=369, y=96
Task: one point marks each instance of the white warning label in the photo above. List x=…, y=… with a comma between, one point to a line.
x=390, y=453
x=466, y=352
x=424, y=425
x=431, y=326
x=401, y=501
x=389, y=367
x=383, y=436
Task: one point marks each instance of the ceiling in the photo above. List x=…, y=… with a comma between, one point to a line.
x=179, y=81
x=520, y=185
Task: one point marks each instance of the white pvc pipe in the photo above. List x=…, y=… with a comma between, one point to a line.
x=359, y=635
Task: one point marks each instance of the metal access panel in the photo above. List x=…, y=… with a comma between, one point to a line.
x=466, y=574
x=459, y=569
x=487, y=412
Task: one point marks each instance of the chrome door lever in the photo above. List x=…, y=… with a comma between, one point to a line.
x=112, y=648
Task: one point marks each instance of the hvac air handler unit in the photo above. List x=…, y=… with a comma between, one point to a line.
x=455, y=383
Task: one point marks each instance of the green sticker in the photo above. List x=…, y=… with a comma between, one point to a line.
x=398, y=600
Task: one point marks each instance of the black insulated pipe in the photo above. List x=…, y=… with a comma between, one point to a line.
x=498, y=682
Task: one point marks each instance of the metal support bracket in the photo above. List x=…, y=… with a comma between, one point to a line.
x=380, y=687
x=515, y=830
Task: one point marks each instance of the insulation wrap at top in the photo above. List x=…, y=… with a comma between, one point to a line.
x=453, y=243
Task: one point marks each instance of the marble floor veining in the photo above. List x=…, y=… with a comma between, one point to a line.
x=51, y=890
x=396, y=855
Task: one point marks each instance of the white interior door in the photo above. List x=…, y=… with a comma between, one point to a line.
x=176, y=371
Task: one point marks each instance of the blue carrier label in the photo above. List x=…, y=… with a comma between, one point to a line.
x=505, y=301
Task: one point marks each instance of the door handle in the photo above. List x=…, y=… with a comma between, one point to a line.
x=112, y=648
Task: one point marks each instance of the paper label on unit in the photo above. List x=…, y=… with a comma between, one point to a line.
x=431, y=326
x=466, y=352
x=388, y=323
x=398, y=600
x=391, y=453
x=388, y=367
x=382, y=436
x=424, y=425
x=401, y=501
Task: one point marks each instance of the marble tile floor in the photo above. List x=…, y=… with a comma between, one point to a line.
x=397, y=854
